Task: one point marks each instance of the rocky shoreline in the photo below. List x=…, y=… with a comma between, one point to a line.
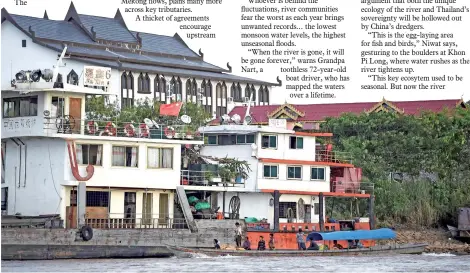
x=438, y=240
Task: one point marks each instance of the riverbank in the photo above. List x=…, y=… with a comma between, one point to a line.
x=437, y=240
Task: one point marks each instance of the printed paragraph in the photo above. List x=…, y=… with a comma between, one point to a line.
x=287, y=34
x=403, y=37
x=179, y=11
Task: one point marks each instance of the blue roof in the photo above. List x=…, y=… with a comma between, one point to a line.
x=158, y=60
x=107, y=28
x=164, y=44
x=51, y=29
x=376, y=234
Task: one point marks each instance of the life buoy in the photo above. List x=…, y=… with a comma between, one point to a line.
x=189, y=134
x=110, y=129
x=144, y=130
x=92, y=127
x=87, y=233
x=169, y=132
x=129, y=130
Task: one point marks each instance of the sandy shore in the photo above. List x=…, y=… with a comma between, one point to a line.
x=437, y=239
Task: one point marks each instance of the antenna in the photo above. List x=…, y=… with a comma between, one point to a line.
x=59, y=63
x=247, y=120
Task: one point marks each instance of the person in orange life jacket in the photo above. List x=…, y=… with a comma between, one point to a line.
x=261, y=243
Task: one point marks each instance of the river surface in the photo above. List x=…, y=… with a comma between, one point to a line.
x=201, y=263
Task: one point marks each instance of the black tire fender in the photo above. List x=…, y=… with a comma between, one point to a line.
x=87, y=233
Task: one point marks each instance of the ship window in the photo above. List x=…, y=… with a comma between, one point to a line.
x=270, y=171
x=89, y=154
x=20, y=107
x=97, y=199
x=317, y=173
x=284, y=208
x=23, y=43
x=58, y=105
x=296, y=142
x=294, y=172
x=212, y=140
x=316, y=208
x=125, y=156
x=269, y=142
x=227, y=139
x=241, y=139
x=159, y=158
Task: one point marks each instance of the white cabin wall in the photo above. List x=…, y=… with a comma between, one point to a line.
x=283, y=150
x=304, y=184
x=41, y=194
x=240, y=152
x=129, y=177
x=251, y=205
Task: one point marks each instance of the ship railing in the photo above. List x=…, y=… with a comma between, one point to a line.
x=333, y=156
x=109, y=128
x=210, y=178
x=352, y=187
x=136, y=221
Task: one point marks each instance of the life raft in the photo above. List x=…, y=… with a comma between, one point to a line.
x=144, y=130
x=110, y=129
x=169, y=132
x=129, y=130
x=92, y=127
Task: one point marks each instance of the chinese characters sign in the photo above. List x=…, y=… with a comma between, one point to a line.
x=278, y=123
x=18, y=125
x=97, y=76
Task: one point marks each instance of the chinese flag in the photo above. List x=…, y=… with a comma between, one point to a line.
x=172, y=109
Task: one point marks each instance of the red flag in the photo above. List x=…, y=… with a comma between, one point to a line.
x=172, y=109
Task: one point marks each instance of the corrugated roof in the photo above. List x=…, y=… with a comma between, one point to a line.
x=102, y=52
x=51, y=29
x=164, y=44
x=318, y=112
x=107, y=28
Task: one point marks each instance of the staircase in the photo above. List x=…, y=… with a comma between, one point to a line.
x=184, y=205
x=178, y=215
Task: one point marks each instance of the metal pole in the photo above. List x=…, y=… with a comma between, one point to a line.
x=276, y=210
x=371, y=212
x=223, y=204
x=321, y=217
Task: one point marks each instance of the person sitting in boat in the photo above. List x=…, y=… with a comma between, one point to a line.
x=271, y=241
x=359, y=244
x=261, y=243
x=336, y=245
x=300, y=240
x=216, y=244
x=247, y=244
x=313, y=246
x=351, y=244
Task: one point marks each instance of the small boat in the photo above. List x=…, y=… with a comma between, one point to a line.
x=375, y=250
x=326, y=236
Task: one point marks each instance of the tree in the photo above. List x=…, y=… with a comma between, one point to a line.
x=431, y=150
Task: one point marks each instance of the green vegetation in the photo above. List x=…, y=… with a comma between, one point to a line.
x=429, y=156
x=97, y=109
